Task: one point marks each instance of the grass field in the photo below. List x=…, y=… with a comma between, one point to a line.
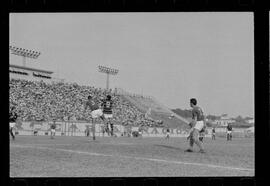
x=40, y=156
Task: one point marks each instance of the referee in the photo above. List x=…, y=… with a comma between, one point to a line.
x=12, y=121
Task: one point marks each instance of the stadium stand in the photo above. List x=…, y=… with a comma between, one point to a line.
x=40, y=101
x=158, y=111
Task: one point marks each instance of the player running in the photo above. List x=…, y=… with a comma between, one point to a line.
x=107, y=111
x=12, y=121
x=197, y=124
x=95, y=112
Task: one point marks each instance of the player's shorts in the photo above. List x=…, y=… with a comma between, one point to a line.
x=12, y=125
x=96, y=113
x=199, y=125
x=229, y=132
x=108, y=116
x=168, y=133
x=53, y=130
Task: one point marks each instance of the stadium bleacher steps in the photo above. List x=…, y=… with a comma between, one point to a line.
x=158, y=110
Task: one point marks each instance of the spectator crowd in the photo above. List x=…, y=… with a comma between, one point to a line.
x=39, y=101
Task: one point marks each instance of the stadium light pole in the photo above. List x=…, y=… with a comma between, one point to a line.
x=24, y=53
x=108, y=71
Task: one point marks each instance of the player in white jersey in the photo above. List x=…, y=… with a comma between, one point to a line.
x=53, y=127
x=95, y=112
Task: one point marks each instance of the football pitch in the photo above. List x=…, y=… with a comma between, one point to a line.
x=64, y=156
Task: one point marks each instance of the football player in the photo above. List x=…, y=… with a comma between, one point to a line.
x=107, y=111
x=229, y=132
x=197, y=125
x=95, y=112
x=53, y=127
x=12, y=121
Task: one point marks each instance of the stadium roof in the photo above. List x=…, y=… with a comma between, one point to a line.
x=33, y=69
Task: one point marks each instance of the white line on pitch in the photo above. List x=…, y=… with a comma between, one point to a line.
x=52, y=144
x=120, y=143
x=45, y=144
x=138, y=158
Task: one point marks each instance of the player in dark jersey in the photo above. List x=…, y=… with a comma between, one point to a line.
x=87, y=131
x=167, y=133
x=197, y=124
x=229, y=132
x=213, y=133
x=12, y=121
x=95, y=112
x=107, y=111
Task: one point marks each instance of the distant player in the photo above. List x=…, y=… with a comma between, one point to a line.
x=53, y=127
x=201, y=134
x=103, y=130
x=140, y=131
x=35, y=132
x=229, y=132
x=213, y=133
x=12, y=121
x=95, y=112
x=167, y=133
x=197, y=124
x=107, y=111
x=87, y=131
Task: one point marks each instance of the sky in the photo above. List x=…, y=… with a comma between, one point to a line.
x=171, y=56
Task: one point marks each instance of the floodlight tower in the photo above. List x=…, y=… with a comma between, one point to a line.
x=108, y=71
x=24, y=53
